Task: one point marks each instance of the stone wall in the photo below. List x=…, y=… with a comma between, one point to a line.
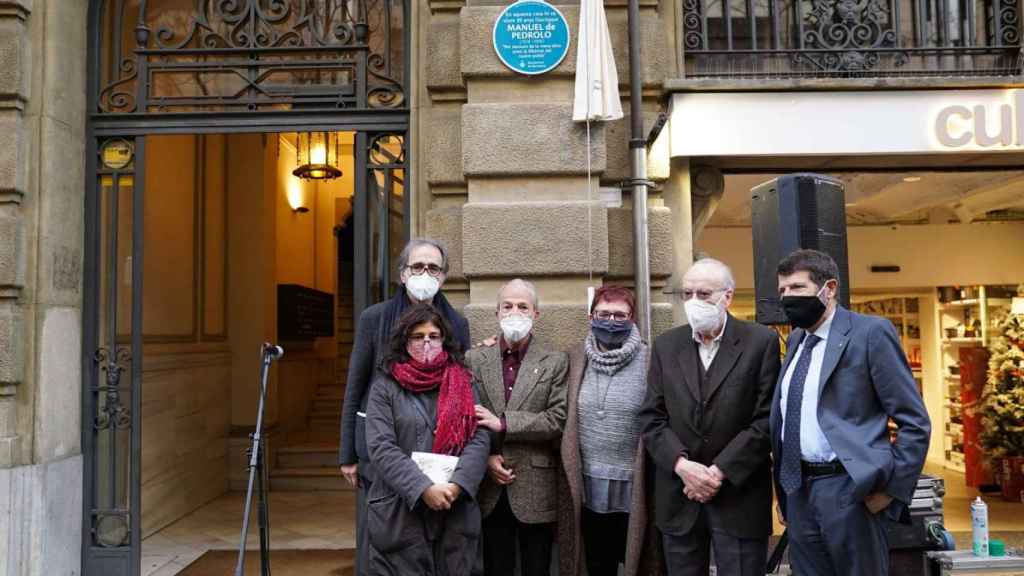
x=42, y=175
x=506, y=170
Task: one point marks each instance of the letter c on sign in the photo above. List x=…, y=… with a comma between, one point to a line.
x=942, y=126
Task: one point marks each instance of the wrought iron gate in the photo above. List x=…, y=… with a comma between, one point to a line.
x=216, y=66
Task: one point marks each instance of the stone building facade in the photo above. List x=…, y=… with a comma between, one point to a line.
x=499, y=173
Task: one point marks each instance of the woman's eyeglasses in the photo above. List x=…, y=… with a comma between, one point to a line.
x=616, y=316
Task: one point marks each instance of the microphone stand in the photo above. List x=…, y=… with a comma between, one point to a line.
x=257, y=472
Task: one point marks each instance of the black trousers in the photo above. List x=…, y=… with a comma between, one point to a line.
x=690, y=554
x=604, y=541
x=362, y=541
x=501, y=531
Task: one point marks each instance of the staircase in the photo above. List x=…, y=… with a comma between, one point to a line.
x=309, y=461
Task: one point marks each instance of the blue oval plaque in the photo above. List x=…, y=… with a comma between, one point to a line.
x=531, y=37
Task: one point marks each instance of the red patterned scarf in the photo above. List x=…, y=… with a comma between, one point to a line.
x=456, y=419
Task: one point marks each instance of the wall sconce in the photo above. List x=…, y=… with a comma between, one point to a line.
x=296, y=199
x=316, y=156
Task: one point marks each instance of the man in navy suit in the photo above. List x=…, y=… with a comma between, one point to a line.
x=836, y=471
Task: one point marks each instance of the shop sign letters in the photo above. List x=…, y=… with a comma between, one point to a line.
x=994, y=126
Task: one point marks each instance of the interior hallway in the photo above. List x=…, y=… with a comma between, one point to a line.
x=298, y=520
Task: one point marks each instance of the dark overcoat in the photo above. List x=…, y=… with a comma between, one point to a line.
x=372, y=337
x=715, y=417
x=643, y=546
x=405, y=536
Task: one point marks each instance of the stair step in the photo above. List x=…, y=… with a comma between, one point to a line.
x=326, y=415
x=308, y=480
x=327, y=405
x=307, y=456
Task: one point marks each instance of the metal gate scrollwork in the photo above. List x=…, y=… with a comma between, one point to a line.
x=251, y=55
x=112, y=345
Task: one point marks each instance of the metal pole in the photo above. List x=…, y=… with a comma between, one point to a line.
x=638, y=153
x=268, y=353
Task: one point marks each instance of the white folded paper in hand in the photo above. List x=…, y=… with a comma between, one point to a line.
x=438, y=467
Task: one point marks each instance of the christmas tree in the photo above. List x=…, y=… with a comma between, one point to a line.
x=1002, y=402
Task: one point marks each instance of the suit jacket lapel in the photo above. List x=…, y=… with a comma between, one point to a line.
x=493, y=384
x=729, y=352
x=529, y=375
x=687, y=360
x=838, y=336
x=792, y=343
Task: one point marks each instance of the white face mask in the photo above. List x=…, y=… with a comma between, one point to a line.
x=515, y=327
x=705, y=317
x=422, y=287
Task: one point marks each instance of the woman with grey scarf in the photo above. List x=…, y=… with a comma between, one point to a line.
x=604, y=519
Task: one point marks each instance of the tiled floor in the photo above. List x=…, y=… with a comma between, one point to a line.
x=298, y=520
x=308, y=520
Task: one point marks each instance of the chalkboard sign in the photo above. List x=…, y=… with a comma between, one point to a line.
x=303, y=313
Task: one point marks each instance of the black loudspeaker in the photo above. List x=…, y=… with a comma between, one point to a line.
x=789, y=213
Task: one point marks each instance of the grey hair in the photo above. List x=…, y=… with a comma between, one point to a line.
x=723, y=270
x=403, y=258
x=519, y=282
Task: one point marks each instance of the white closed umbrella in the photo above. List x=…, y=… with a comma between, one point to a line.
x=597, y=82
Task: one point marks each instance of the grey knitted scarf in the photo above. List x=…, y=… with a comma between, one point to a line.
x=611, y=361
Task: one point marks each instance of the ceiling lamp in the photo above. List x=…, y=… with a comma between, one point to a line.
x=316, y=156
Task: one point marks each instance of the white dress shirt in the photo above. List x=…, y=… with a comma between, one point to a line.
x=709, y=350
x=814, y=447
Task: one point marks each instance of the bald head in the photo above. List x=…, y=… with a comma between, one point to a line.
x=712, y=270
x=519, y=289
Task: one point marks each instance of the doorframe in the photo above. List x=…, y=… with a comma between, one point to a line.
x=126, y=561
x=92, y=340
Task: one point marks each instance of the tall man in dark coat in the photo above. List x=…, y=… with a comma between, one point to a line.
x=705, y=424
x=423, y=266
x=522, y=401
x=843, y=378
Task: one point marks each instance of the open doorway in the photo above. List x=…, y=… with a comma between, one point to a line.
x=207, y=246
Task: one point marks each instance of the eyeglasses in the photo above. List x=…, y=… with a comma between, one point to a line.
x=701, y=294
x=419, y=268
x=616, y=316
x=425, y=337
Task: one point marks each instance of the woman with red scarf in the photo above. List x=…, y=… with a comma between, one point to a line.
x=422, y=401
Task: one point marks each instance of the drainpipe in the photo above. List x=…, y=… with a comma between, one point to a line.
x=638, y=180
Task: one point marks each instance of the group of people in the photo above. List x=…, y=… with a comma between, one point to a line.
x=621, y=453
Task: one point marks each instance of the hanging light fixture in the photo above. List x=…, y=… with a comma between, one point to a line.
x=316, y=156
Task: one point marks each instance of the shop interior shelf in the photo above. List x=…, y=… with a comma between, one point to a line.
x=952, y=341
x=960, y=303
x=953, y=377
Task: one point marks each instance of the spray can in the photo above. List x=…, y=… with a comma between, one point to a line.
x=979, y=526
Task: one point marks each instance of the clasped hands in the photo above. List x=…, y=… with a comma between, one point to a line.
x=700, y=482
x=441, y=496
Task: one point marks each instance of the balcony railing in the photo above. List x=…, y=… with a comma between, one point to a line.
x=851, y=38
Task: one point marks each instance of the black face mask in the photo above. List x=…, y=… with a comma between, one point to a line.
x=803, y=311
x=611, y=334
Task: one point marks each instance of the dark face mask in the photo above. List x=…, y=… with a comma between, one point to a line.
x=803, y=311
x=611, y=334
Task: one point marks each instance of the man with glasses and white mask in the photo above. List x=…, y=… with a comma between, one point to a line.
x=704, y=422
x=521, y=386
x=422, y=267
